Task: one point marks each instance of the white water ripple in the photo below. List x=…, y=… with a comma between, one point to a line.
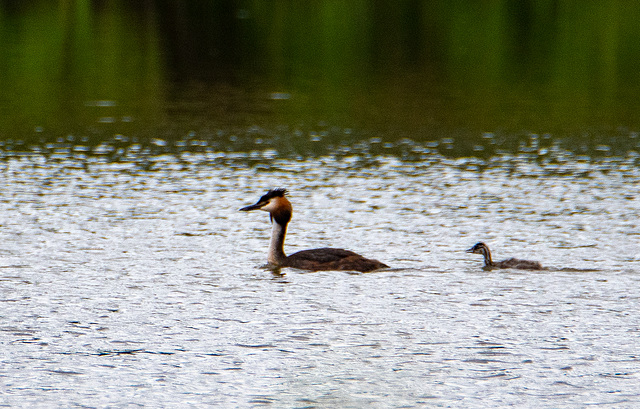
x=124, y=287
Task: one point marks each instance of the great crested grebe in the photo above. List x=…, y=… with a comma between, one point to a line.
x=481, y=248
x=279, y=208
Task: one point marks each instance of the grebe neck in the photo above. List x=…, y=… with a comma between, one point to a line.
x=487, y=256
x=276, y=254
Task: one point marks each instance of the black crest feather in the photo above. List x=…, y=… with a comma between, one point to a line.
x=278, y=192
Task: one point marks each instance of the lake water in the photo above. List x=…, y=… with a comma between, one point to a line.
x=132, y=132
x=124, y=287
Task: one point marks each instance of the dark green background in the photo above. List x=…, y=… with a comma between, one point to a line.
x=304, y=78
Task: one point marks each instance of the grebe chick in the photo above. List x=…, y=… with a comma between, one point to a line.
x=279, y=208
x=481, y=248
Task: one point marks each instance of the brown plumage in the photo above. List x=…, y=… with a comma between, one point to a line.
x=280, y=210
x=481, y=248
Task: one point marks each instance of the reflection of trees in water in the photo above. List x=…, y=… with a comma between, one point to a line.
x=408, y=69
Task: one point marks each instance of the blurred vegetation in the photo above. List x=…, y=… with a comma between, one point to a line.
x=289, y=73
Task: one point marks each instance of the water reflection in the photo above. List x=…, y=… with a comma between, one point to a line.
x=533, y=155
x=296, y=78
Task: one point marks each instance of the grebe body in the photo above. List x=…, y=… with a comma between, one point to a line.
x=481, y=248
x=322, y=259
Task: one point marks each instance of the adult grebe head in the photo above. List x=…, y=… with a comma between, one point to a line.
x=274, y=202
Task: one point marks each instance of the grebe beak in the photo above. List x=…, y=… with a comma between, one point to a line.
x=252, y=207
x=257, y=206
x=468, y=251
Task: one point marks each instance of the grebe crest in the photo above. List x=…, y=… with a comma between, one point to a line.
x=274, y=202
x=481, y=248
x=280, y=210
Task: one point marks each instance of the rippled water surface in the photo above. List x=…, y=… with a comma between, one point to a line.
x=123, y=286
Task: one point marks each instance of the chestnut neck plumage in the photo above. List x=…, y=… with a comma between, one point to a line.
x=279, y=218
